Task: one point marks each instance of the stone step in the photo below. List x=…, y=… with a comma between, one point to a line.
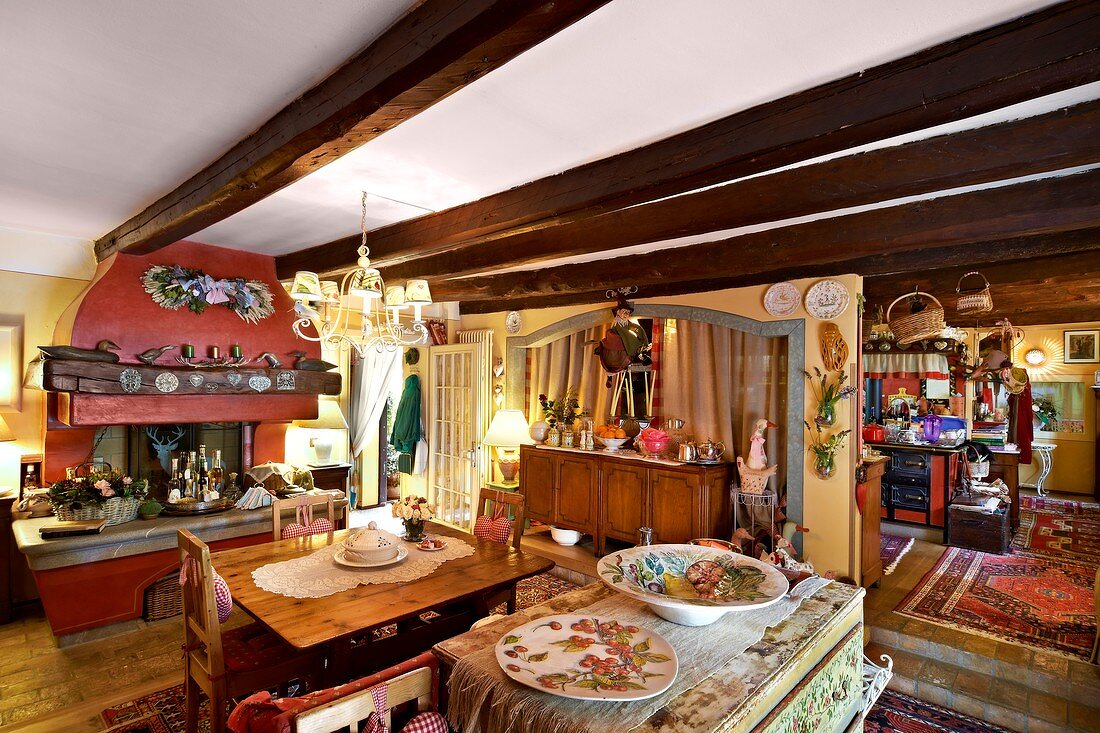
x=1009, y=693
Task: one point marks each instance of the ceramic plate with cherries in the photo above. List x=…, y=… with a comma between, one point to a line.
x=588, y=658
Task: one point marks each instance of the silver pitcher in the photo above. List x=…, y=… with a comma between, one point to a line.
x=708, y=450
x=687, y=452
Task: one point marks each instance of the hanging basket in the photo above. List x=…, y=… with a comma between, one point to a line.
x=913, y=327
x=116, y=510
x=971, y=301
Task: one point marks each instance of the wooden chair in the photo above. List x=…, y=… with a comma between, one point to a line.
x=351, y=711
x=487, y=502
x=278, y=506
x=1095, y=658
x=240, y=661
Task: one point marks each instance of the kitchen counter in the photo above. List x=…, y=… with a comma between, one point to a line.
x=628, y=454
x=916, y=446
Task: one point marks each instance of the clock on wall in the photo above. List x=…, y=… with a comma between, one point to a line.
x=513, y=322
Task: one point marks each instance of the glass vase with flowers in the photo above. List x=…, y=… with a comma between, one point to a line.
x=824, y=449
x=828, y=394
x=413, y=511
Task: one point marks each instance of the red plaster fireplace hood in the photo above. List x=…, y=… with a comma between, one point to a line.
x=115, y=306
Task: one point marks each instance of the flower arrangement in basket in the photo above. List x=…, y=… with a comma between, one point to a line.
x=102, y=494
x=413, y=511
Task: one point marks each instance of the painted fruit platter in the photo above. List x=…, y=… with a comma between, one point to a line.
x=342, y=559
x=588, y=658
x=692, y=585
x=431, y=544
x=826, y=299
x=782, y=299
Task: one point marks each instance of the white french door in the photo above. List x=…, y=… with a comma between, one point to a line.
x=453, y=439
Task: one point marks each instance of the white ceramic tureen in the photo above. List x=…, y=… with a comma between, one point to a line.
x=371, y=545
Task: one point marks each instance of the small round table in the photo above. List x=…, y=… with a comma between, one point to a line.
x=1045, y=451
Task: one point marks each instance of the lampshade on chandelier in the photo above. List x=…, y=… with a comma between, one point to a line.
x=381, y=327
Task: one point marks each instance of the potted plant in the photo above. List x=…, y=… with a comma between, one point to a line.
x=828, y=394
x=150, y=508
x=413, y=511
x=824, y=449
x=102, y=494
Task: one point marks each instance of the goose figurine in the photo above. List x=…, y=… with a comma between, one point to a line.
x=101, y=352
x=311, y=365
x=272, y=360
x=757, y=457
x=150, y=357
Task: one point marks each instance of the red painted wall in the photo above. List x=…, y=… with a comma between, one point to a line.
x=116, y=307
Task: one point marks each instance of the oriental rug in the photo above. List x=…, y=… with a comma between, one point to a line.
x=904, y=714
x=1067, y=530
x=891, y=550
x=162, y=711
x=1040, y=602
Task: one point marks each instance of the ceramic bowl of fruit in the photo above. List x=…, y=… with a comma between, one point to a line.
x=692, y=585
x=612, y=444
x=611, y=437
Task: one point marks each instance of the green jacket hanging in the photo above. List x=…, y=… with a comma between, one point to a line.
x=406, y=424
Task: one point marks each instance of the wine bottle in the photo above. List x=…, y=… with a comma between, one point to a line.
x=216, y=473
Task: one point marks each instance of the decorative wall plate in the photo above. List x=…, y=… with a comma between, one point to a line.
x=826, y=299
x=782, y=299
x=196, y=380
x=570, y=656
x=513, y=322
x=167, y=382
x=130, y=380
x=233, y=377
x=259, y=382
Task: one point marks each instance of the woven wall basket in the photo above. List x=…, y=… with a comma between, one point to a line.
x=912, y=327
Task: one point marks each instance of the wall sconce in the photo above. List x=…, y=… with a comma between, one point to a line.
x=1035, y=357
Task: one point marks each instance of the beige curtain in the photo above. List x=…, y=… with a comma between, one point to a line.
x=721, y=381
x=564, y=363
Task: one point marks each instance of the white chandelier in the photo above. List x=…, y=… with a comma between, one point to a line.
x=381, y=327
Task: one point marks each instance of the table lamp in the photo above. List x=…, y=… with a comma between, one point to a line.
x=507, y=432
x=329, y=419
x=5, y=432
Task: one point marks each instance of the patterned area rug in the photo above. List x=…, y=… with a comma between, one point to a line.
x=891, y=549
x=162, y=711
x=904, y=714
x=1068, y=530
x=1041, y=602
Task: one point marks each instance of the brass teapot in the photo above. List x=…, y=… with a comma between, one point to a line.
x=708, y=450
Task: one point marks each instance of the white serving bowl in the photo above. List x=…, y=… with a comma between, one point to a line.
x=662, y=575
x=565, y=537
x=613, y=444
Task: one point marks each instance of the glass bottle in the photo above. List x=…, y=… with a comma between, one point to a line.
x=31, y=479
x=174, y=480
x=216, y=472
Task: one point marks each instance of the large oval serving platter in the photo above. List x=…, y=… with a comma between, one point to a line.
x=690, y=584
x=342, y=559
x=572, y=656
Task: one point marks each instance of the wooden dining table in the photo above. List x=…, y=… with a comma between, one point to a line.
x=343, y=620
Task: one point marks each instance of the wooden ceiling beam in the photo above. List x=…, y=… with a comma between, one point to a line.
x=1035, y=249
x=1053, y=49
x=1047, y=205
x=437, y=48
x=1061, y=139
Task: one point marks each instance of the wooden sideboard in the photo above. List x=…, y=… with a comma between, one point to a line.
x=609, y=496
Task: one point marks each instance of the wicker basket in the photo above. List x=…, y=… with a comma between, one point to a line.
x=973, y=302
x=117, y=510
x=912, y=327
x=163, y=599
x=754, y=480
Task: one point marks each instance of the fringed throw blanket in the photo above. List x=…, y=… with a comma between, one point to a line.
x=702, y=650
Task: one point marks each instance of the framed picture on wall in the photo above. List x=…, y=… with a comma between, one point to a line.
x=1082, y=347
x=438, y=331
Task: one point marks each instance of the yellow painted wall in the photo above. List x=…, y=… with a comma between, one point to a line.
x=1075, y=457
x=36, y=301
x=829, y=506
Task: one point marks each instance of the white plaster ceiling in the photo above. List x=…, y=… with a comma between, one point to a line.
x=108, y=105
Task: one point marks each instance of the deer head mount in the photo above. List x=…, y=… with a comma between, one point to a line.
x=164, y=440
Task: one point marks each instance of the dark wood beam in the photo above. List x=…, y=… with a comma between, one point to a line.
x=1047, y=51
x=437, y=48
x=1044, y=206
x=1061, y=139
x=902, y=266
x=1063, y=289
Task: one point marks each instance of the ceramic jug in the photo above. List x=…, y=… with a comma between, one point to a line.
x=708, y=450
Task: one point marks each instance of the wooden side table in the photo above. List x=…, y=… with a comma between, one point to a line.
x=331, y=477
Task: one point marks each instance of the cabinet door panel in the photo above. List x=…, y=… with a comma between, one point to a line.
x=537, y=484
x=675, y=508
x=623, y=499
x=576, y=494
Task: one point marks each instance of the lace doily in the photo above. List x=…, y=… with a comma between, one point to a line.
x=317, y=575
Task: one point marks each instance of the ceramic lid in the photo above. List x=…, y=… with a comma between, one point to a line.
x=372, y=544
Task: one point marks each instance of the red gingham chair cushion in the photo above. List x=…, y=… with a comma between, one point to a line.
x=496, y=529
x=222, y=597
x=321, y=525
x=251, y=647
x=426, y=723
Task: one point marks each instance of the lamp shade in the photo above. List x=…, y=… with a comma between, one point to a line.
x=395, y=296
x=306, y=286
x=330, y=289
x=5, y=432
x=417, y=293
x=329, y=417
x=367, y=283
x=508, y=429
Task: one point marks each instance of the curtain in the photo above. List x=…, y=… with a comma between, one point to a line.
x=569, y=362
x=370, y=388
x=721, y=381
